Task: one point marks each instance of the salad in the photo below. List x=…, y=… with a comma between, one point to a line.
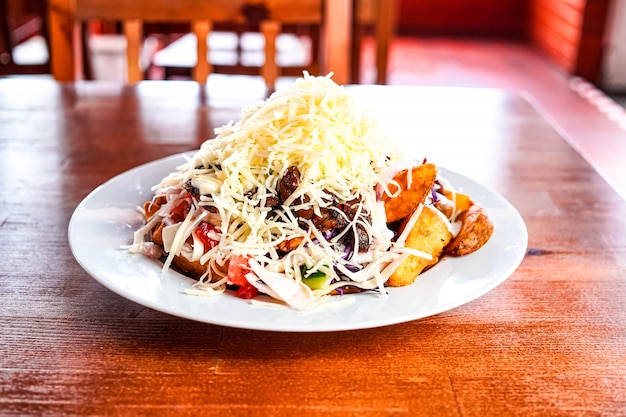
x=289, y=202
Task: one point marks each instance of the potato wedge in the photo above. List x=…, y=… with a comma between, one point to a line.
x=150, y=208
x=476, y=229
x=412, y=192
x=192, y=268
x=429, y=234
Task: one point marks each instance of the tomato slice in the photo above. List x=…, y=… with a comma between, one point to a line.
x=247, y=291
x=207, y=233
x=237, y=269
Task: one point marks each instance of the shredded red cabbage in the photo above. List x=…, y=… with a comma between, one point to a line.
x=434, y=195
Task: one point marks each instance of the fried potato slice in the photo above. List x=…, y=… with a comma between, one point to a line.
x=150, y=208
x=429, y=234
x=192, y=268
x=476, y=229
x=413, y=191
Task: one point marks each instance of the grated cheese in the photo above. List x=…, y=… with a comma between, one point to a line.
x=341, y=155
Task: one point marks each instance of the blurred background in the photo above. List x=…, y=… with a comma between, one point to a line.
x=491, y=43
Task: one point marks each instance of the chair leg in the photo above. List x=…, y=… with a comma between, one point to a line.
x=133, y=33
x=385, y=28
x=357, y=49
x=6, y=51
x=202, y=69
x=336, y=37
x=63, y=61
x=269, y=70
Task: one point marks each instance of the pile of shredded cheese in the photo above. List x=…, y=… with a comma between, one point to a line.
x=315, y=125
x=339, y=151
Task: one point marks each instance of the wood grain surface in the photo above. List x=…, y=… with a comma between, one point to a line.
x=549, y=341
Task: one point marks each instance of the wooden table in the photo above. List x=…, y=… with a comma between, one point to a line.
x=549, y=341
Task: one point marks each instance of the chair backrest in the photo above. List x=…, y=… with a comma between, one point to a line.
x=66, y=16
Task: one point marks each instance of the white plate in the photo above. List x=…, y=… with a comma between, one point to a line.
x=103, y=223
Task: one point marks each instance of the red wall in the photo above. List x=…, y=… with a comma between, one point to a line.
x=472, y=18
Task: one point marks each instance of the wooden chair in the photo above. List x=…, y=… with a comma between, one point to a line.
x=19, y=21
x=277, y=14
x=241, y=50
x=66, y=16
